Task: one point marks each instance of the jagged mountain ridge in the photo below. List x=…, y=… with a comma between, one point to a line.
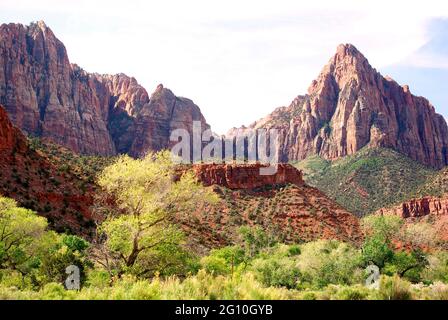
x=351, y=105
x=47, y=96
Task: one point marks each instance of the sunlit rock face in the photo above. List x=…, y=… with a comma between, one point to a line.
x=47, y=96
x=350, y=105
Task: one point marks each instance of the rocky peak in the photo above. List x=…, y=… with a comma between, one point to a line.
x=349, y=106
x=47, y=96
x=163, y=113
x=348, y=65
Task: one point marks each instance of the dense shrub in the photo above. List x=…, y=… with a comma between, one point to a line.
x=394, y=288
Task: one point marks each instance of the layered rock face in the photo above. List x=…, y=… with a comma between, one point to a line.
x=162, y=115
x=421, y=207
x=46, y=96
x=349, y=106
x=246, y=176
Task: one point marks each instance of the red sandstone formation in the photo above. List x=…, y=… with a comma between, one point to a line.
x=433, y=210
x=246, y=176
x=416, y=208
x=351, y=105
x=46, y=96
x=11, y=139
x=28, y=177
x=280, y=203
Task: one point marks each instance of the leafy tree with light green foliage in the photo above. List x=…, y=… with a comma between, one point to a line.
x=224, y=260
x=22, y=237
x=28, y=249
x=139, y=232
x=324, y=262
x=407, y=264
x=378, y=248
x=379, y=230
x=278, y=266
x=385, y=227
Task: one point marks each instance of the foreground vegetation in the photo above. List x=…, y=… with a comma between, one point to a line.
x=140, y=252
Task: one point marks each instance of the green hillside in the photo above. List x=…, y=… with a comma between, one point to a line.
x=370, y=179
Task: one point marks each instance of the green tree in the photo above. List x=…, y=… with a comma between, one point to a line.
x=224, y=260
x=23, y=237
x=278, y=266
x=376, y=251
x=62, y=252
x=326, y=262
x=380, y=230
x=385, y=227
x=407, y=264
x=29, y=249
x=143, y=201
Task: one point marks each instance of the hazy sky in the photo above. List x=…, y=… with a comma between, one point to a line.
x=238, y=60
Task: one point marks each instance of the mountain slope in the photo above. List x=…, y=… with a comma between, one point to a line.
x=48, y=97
x=28, y=176
x=350, y=105
x=281, y=204
x=368, y=180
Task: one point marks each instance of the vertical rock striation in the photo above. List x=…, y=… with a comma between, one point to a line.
x=47, y=96
x=350, y=105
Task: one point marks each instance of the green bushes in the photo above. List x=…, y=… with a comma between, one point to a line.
x=206, y=286
x=394, y=288
x=223, y=261
x=326, y=262
x=277, y=272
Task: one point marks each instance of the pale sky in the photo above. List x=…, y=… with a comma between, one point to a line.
x=239, y=60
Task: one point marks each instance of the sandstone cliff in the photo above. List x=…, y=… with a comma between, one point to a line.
x=157, y=119
x=351, y=105
x=47, y=96
x=430, y=209
x=420, y=207
x=246, y=176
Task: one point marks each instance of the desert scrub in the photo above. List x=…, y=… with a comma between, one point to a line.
x=394, y=288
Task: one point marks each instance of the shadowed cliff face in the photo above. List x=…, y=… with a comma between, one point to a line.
x=350, y=105
x=46, y=96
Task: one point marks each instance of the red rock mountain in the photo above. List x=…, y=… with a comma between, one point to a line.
x=28, y=177
x=281, y=203
x=350, y=105
x=420, y=207
x=431, y=209
x=47, y=96
x=245, y=176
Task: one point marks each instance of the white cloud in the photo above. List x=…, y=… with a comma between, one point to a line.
x=237, y=60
